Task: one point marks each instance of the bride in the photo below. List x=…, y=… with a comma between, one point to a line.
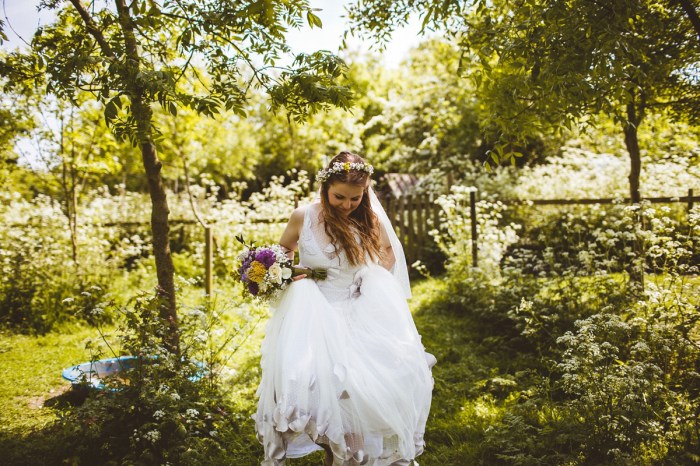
x=343, y=367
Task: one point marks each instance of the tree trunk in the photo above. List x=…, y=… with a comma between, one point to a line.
x=143, y=115
x=159, y=222
x=70, y=197
x=634, y=117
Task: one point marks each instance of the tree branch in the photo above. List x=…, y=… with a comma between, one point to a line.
x=127, y=25
x=189, y=191
x=692, y=14
x=92, y=28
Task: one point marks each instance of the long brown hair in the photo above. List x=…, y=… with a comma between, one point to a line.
x=362, y=222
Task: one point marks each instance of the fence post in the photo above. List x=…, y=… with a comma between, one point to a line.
x=420, y=227
x=410, y=226
x=690, y=200
x=472, y=207
x=208, y=259
x=435, y=207
x=391, y=210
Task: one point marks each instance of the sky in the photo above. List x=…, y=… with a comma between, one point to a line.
x=22, y=19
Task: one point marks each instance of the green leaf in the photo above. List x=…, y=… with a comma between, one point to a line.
x=112, y=109
x=314, y=21
x=186, y=38
x=426, y=20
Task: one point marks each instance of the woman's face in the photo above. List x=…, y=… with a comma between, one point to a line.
x=345, y=197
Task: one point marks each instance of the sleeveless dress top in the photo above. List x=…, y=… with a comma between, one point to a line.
x=342, y=364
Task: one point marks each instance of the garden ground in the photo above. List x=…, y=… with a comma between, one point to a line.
x=478, y=380
x=30, y=384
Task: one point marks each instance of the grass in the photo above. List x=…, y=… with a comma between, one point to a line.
x=30, y=383
x=474, y=383
x=465, y=401
x=30, y=375
x=31, y=368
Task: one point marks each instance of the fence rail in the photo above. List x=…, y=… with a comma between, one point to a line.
x=690, y=199
x=415, y=215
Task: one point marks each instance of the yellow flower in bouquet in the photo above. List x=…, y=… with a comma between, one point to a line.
x=257, y=271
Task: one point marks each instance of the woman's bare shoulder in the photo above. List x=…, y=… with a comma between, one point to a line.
x=299, y=213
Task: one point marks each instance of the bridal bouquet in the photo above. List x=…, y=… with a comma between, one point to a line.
x=266, y=270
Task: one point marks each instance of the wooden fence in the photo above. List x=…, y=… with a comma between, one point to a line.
x=414, y=216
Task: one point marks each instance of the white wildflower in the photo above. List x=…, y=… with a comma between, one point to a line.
x=152, y=436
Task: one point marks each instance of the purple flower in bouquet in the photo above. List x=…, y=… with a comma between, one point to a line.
x=266, y=256
x=253, y=288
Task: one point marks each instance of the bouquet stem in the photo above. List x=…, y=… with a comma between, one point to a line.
x=314, y=274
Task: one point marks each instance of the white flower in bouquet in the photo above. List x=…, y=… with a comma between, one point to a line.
x=275, y=273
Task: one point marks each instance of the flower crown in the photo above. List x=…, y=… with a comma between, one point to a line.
x=340, y=167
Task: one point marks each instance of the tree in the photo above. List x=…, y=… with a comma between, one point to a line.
x=16, y=121
x=79, y=153
x=131, y=55
x=433, y=124
x=550, y=64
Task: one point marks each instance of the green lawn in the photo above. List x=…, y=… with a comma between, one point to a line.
x=31, y=378
x=474, y=385
x=30, y=375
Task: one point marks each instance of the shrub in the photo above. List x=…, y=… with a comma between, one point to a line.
x=614, y=377
x=629, y=388
x=454, y=235
x=42, y=282
x=169, y=408
x=598, y=240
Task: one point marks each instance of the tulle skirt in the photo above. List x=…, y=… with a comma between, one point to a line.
x=349, y=372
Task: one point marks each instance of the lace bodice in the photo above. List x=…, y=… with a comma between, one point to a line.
x=317, y=251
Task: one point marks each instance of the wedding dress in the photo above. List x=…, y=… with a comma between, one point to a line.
x=342, y=364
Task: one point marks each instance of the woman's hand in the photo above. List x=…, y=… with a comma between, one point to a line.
x=298, y=273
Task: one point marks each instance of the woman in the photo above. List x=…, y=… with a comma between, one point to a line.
x=343, y=365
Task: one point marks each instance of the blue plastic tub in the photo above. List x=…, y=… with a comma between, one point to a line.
x=94, y=373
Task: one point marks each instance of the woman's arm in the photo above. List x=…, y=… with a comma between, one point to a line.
x=290, y=237
x=388, y=258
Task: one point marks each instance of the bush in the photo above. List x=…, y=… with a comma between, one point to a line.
x=614, y=374
x=43, y=283
x=598, y=240
x=169, y=408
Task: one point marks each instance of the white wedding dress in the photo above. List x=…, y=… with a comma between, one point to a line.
x=342, y=364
